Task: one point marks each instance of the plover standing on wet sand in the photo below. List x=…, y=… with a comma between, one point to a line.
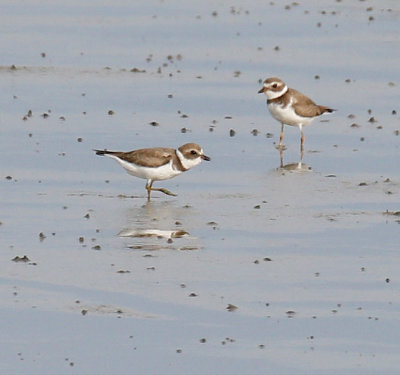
x=290, y=106
x=158, y=163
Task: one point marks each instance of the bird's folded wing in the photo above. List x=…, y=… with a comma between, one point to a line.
x=155, y=157
x=305, y=107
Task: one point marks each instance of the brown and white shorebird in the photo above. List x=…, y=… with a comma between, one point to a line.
x=158, y=163
x=290, y=106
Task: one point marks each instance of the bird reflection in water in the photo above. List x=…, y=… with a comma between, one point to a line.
x=155, y=233
x=299, y=166
x=158, y=226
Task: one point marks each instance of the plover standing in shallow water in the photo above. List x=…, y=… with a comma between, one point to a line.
x=158, y=163
x=290, y=106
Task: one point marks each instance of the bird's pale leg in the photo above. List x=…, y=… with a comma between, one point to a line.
x=281, y=147
x=165, y=191
x=149, y=188
x=281, y=137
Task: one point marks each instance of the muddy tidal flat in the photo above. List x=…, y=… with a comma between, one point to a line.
x=263, y=262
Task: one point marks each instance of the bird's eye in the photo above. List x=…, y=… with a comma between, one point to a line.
x=275, y=85
x=193, y=152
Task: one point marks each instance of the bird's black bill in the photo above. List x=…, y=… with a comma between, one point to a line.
x=261, y=90
x=204, y=157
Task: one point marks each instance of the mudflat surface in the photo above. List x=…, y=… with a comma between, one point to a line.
x=261, y=264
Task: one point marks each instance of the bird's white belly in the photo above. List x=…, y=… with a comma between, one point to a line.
x=287, y=115
x=156, y=174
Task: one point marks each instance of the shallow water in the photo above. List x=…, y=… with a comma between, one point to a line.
x=259, y=264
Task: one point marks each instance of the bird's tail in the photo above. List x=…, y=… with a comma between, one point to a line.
x=103, y=152
x=327, y=109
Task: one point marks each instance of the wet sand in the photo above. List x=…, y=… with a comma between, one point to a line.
x=261, y=263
